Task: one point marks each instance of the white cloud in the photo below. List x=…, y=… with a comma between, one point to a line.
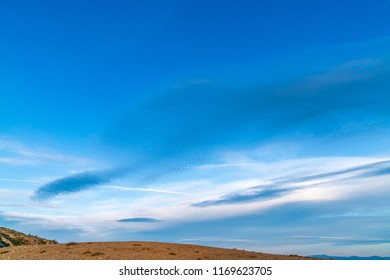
x=144, y=190
x=356, y=70
x=20, y=181
x=213, y=239
x=21, y=154
x=16, y=161
x=12, y=193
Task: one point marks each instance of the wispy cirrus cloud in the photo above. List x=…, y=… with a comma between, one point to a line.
x=280, y=188
x=20, y=181
x=17, y=161
x=152, y=190
x=17, y=153
x=188, y=126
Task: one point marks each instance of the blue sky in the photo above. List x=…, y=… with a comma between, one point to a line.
x=253, y=124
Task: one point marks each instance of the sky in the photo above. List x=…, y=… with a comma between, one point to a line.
x=259, y=125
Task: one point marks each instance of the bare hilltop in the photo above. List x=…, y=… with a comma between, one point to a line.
x=18, y=246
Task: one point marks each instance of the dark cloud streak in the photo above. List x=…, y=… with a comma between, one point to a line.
x=76, y=182
x=252, y=194
x=139, y=220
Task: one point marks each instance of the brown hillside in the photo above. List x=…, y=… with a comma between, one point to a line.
x=10, y=238
x=132, y=251
x=15, y=245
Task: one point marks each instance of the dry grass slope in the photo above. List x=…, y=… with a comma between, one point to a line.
x=10, y=238
x=36, y=248
x=132, y=251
